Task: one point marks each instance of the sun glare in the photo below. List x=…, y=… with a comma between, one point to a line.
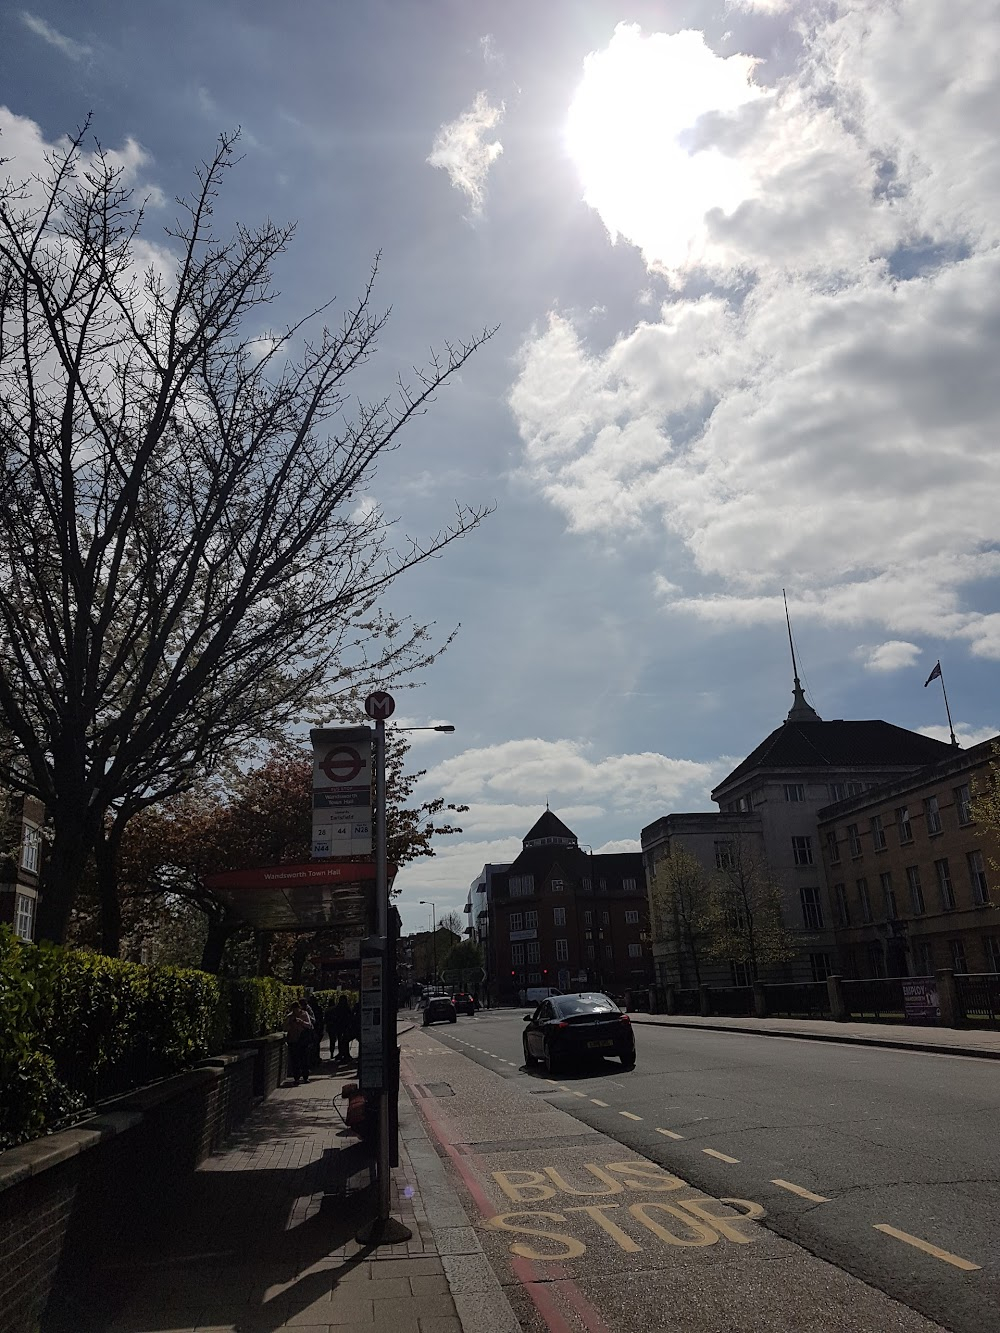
x=631, y=132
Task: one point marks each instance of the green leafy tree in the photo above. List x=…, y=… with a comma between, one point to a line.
x=188, y=567
x=464, y=960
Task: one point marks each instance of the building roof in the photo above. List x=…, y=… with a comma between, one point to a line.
x=843, y=745
x=548, y=826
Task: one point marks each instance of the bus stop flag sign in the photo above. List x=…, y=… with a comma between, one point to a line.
x=342, y=791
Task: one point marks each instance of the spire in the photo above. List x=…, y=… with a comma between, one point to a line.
x=801, y=710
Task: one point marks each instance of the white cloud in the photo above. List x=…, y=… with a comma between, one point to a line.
x=565, y=775
x=965, y=735
x=829, y=420
x=462, y=148
x=74, y=50
x=619, y=845
x=893, y=655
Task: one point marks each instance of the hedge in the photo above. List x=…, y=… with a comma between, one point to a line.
x=77, y=1028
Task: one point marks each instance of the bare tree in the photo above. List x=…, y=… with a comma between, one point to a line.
x=682, y=897
x=185, y=566
x=747, y=925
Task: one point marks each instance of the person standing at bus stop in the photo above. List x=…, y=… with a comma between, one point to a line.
x=299, y=1034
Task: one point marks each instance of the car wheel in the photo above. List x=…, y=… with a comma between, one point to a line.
x=427, y=1021
x=628, y=1061
x=453, y=1018
x=529, y=1059
x=551, y=1061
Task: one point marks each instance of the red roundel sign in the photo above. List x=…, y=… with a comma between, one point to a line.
x=342, y=763
x=380, y=704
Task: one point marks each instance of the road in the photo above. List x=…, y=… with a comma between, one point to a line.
x=882, y=1163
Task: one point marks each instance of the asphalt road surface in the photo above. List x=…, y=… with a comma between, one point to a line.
x=883, y=1163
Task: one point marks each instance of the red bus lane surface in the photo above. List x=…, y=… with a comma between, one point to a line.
x=586, y=1234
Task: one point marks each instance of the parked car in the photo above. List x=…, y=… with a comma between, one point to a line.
x=464, y=1003
x=577, y=1026
x=439, y=1009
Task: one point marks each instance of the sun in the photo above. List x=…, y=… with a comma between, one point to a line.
x=647, y=166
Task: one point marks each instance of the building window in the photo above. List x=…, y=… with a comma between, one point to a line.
x=888, y=895
x=724, y=858
x=878, y=833
x=794, y=791
x=740, y=973
x=557, y=885
x=635, y=951
x=923, y=958
x=839, y=791
x=833, y=847
x=866, y=902
x=602, y=885
x=854, y=839
x=559, y=916
x=993, y=953
x=628, y=886
x=534, y=952
x=812, y=908
x=916, y=890
x=590, y=951
x=608, y=951
x=521, y=885
x=820, y=965
x=945, y=884
x=534, y=976
x=24, y=917
x=802, y=851
x=958, y=955
x=843, y=911
x=562, y=951
x=963, y=803
x=30, y=845
x=588, y=918
x=516, y=921
x=932, y=815
x=531, y=920
x=585, y=883
x=903, y=826
x=631, y=918
x=876, y=959
x=977, y=878
x=605, y=919
x=517, y=955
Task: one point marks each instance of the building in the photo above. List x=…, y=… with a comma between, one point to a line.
x=773, y=798
x=478, y=907
x=913, y=878
x=564, y=917
x=20, y=864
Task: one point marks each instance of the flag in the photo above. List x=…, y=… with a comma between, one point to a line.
x=935, y=675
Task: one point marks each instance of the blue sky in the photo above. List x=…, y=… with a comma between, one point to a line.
x=745, y=259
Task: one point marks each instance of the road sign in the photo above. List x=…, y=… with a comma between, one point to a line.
x=380, y=705
x=342, y=795
x=342, y=764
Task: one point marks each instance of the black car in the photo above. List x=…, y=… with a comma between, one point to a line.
x=464, y=1004
x=577, y=1026
x=439, y=1009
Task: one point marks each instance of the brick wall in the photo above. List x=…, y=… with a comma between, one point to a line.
x=70, y=1196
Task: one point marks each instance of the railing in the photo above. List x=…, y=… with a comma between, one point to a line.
x=731, y=1001
x=875, y=998
x=979, y=998
x=687, y=1001
x=805, y=999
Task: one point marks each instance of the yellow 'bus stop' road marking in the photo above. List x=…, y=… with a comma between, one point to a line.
x=927, y=1247
x=800, y=1191
x=723, y=1157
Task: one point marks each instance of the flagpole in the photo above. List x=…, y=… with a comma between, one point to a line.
x=948, y=711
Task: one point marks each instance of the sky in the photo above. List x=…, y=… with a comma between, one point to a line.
x=744, y=256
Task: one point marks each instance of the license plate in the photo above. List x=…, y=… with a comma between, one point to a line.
x=600, y=1043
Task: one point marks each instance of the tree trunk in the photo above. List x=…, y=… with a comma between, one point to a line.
x=63, y=870
x=220, y=928
x=106, y=856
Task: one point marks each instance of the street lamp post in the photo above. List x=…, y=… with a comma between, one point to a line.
x=424, y=902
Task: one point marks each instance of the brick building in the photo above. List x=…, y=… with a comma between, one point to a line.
x=912, y=880
x=20, y=864
x=561, y=916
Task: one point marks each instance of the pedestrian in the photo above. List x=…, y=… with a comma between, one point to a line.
x=298, y=1034
x=330, y=1021
x=342, y=1025
x=316, y=1035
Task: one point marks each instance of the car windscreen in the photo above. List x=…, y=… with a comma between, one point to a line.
x=567, y=1005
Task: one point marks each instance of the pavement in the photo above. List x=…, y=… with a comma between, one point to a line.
x=983, y=1045
x=262, y=1237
